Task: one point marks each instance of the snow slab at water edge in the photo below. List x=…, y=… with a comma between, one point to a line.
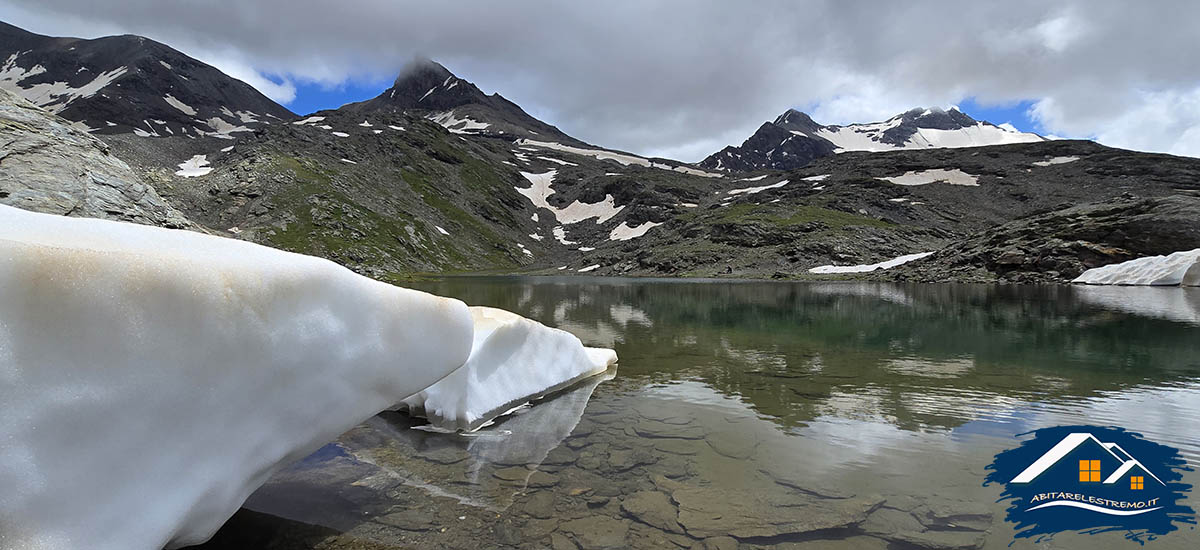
x=867, y=268
x=1177, y=269
x=513, y=361
x=152, y=378
x=926, y=177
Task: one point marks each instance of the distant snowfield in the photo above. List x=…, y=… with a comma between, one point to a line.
x=865, y=137
x=867, y=268
x=753, y=190
x=457, y=125
x=560, y=235
x=1055, y=160
x=181, y=106
x=52, y=96
x=926, y=177
x=624, y=232
x=194, y=167
x=557, y=161
x=576, y=212
x=622, y=158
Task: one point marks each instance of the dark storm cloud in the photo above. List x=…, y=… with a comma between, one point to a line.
x=684, y=78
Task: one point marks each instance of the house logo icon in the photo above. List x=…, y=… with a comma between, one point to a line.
x=1092, y=479
x=1098, y=457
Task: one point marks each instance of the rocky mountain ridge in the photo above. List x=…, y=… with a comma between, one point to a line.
x=434, y=176
x=793, y=139
x=124, y=84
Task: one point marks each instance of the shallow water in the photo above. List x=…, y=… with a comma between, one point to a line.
x=759, y=404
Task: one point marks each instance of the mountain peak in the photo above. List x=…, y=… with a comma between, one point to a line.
x=430, y=90
x=422, y=67
x=794, y=139
x=426, y=84
x=796, y=121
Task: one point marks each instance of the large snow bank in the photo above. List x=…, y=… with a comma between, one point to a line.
x=151, y=379
x=513, y=360
x=1179, y=268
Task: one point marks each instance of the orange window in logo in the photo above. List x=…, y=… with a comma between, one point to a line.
x=1136, y=482
x=1089, y=471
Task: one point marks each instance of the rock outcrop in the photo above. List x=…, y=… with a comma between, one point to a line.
x=1060, y=245
x=52, y=167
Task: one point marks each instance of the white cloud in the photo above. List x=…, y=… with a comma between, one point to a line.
x=689, y=77
x=281, y=92
x=1165, y=121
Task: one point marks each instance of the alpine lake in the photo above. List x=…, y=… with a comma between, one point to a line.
x=770, y=415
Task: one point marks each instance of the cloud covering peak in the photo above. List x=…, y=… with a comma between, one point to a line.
x=685, y=78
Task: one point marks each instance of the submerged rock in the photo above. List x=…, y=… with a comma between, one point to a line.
x=707, y=512
x=653, y=508
x=597, y=532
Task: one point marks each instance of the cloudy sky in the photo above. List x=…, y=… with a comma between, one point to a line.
x=684, y=78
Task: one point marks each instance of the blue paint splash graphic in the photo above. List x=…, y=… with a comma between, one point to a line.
x=1079, y=499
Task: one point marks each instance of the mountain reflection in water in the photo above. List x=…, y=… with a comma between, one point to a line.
x=790, y=396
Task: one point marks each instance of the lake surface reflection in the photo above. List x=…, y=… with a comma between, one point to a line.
x=785, y=415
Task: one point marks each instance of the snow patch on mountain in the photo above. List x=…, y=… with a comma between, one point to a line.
x=194, y=167
x=181, y=106
x=457, y=125
x=52, y=96
x=1055, y=160
x=753, y=190
x=624, y=232
x=624, y=159
x=925, y=177
x=867, y=268
x=541, y=187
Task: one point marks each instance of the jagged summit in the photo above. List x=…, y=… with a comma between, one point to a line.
x=794, y=139
x=127, y=83
x=428, y=88
x=795, y=120
x=426, y=84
